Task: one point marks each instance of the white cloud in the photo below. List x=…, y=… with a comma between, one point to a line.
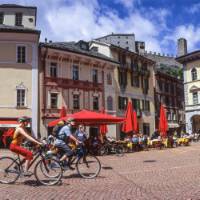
x=190, y=32
x=127, y=3
x=67, y=20
x=194, y=8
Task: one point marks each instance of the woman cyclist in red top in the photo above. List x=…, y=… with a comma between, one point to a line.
x=20, y=134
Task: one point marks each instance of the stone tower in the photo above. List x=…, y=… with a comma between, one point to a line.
x=181, y=47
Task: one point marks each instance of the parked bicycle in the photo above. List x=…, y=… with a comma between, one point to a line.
x=47, y=171
x=112, y=148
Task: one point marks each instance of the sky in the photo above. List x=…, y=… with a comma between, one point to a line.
x=159, y=23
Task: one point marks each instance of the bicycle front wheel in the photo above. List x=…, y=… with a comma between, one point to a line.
x=9, y=170
x=48, y=171
x=88, y=166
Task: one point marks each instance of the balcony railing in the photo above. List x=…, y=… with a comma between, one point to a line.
x=69, y=83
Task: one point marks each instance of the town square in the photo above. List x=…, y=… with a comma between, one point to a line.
x=99, y=99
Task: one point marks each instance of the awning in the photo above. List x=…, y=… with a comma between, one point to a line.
x=8, y=123
x=173, y=125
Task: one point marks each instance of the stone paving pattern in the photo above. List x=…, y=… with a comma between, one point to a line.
x=156, y=174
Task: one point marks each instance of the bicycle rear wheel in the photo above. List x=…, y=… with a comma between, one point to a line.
x=9, y=170
x=88, y=166
x=48, y=171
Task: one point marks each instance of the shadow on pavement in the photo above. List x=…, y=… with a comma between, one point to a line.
x=149, y=161
x=107, y=168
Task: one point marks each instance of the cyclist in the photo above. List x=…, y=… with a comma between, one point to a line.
x=20, y=134
x=62, y=140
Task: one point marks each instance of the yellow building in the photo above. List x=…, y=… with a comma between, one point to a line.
x=134, y=80
x=18, y=65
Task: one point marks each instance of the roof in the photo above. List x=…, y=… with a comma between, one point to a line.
x=114, y=46
x=17, y=29
x=140, y=56
x=75, y=48
x=16, y=6
x=117, y=34
x=195, y=55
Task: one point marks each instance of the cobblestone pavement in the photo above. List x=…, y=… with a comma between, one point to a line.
x=155, y=174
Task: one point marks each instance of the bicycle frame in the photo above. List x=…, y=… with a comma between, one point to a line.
x=20, y=162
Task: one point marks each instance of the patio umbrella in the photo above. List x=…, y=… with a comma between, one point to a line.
x=63, y=112
x=90, y=118
x=135, y=122
x=103, y=128
x=163, y=125
x=128, y=125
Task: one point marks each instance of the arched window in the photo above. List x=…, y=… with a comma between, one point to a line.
x=109, y=103
x=194, y=74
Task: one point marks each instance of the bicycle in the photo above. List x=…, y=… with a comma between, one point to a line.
x=112, y=148
x=47, y=171
x=87, y=166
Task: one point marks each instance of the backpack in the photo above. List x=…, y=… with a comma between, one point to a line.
x=7, y=137
x=56, y=130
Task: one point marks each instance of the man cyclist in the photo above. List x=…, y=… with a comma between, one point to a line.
x=62, y=140
x=20, y=134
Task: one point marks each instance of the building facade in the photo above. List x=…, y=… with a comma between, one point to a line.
x=191, y=67
x=169, y=91
x=18, y=65
x=76, y=77
x=133, y=81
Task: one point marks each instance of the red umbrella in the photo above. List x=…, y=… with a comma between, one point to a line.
x=90, y=118
x=163, y=125
x=63, y=112
x=135, y=123
x=128, y=125
x=103, y=128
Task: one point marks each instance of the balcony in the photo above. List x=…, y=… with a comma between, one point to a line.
x=69, y=83
x=144, y=72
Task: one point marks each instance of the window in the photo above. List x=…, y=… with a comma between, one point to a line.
x=146, y=128
x=122, y=77
x=76, y=103
x=194, y=74
x=122, y=102
x=160, y=85
x=135, y=81
x=1, y=18
x=172, y=89
x=145, y=105
x=53, y=70
x=18, y=19
x=109, y=79
x=195, y=98
x=136, y=104
x=54, y=100
x=95, y=103
x=21, y=54
x=95, y=76
x=20, y=97
x=75, y=73
x=166, y=87
x=109, y=103
x=168, y=116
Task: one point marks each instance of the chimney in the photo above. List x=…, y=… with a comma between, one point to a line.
x=181, y=47
x=45, y=40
